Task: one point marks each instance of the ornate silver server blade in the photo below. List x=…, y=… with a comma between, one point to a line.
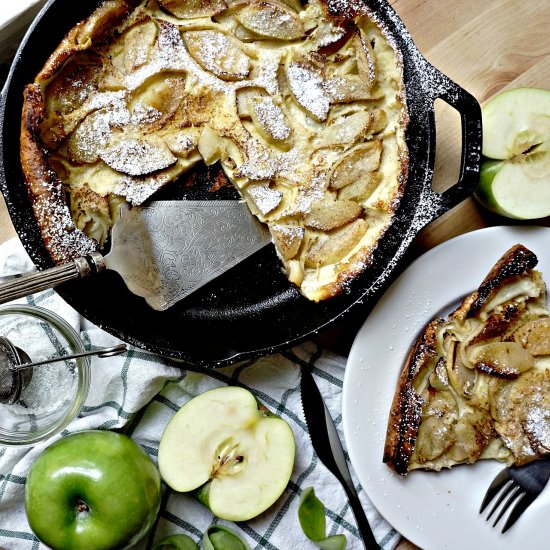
x=169, y=249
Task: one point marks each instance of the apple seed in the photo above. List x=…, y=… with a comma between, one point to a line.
x=227, y=459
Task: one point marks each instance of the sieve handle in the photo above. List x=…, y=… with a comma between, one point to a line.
x=103, y=352
x=35, y=282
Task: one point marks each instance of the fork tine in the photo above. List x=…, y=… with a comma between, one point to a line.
x=518, y=491
x=520, y=507
x=502, y=496
x=506, y=491
x=496, y=485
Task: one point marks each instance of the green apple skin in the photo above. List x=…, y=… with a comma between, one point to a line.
x=484, y=191
x=518, y=189
x=92, y=490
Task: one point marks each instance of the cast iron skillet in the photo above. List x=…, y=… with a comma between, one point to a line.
x=251, y=310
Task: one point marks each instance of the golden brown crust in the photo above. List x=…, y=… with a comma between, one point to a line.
x=517, y=260
x=405, y=414
x=59, y=233
x=362, y=259
x=33, y=157
x=95, y=29
x=61, y=237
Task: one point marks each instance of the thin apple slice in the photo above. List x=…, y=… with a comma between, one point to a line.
x=327, y=216
x=157, y=101
x=271, y=19
x=138, y=43
x=218, y=53
x=262, y=198
x=361, y=189
x=357, y=164
x=90, y=136
x=190, y=9
x=137, y=156
x=307, y=84
x=534, y=336
x=269, y=119
x=288, y=239
x=366, y=64
x=345, y=89
x=327, y=37
x=345, y=130
x=330, y=248
x=182, y=142
x=210, y=146
x=515, y=121
x=237, y=457
x=502, y=359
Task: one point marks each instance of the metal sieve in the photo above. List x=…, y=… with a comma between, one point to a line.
x=16, y=367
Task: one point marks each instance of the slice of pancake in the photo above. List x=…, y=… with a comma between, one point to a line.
x=477, y=384
x=302, y=105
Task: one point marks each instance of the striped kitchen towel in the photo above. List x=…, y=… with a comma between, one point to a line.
x=138, y=393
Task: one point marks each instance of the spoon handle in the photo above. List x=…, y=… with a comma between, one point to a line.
x=104, y=352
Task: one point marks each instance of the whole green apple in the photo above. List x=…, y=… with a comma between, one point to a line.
x=92, y=490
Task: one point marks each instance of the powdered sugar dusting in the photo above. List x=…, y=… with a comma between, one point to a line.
x=272, y=118
x=308, y=88
x=264, y=198
x=537, y=424
x=217, y=53
x=53, y=216
x=289, y=233
x=137, y=157
x=259, y=164
x=271, y=21
x=269, y=68
x=348, y=9
x=327, y=33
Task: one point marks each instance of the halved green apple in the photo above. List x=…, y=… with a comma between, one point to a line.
x=515, y=173
x=234, y=455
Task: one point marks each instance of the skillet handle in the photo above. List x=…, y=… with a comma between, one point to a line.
x=470, y=114
x=18, y=287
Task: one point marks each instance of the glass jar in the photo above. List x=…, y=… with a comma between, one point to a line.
x=54, y=393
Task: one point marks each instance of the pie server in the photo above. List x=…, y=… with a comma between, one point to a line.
x=327, y=445
x=164, y=251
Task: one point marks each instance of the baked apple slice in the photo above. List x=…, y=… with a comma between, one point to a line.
x=271, y=20
x=218, y=53
x=190, y=9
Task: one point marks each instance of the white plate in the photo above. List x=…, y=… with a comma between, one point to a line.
x=433, y=510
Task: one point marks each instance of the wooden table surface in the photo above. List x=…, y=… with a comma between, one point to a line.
x=485, y=46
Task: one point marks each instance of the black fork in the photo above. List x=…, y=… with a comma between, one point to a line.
x=518, y=486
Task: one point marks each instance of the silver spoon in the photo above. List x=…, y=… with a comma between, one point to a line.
x=16, y=367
